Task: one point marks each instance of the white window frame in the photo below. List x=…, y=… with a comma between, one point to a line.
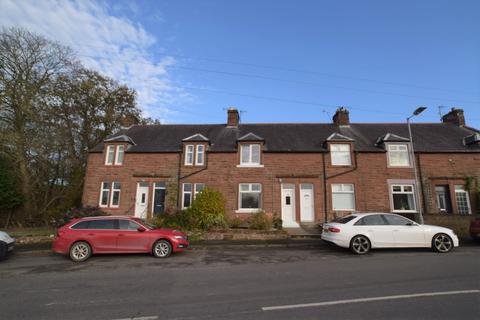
x=198, y=152
x=250, y=190
x=117, y=152
x=343, y=192
x=189, y=149
x=389, y=152
x=250, y=147
x=187, y=192
x=102, y=189
x=195, y=189
x=335, y=152
x=109, y=162
x=463, y=191
x=413, y=193
x=113, y=189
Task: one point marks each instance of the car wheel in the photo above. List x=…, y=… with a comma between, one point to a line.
x=442, y=243
x=162, y=249
x=80, y=251
x=3, y=250
x=360, y=245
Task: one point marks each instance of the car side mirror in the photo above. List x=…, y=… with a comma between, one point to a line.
x=140, y=229
x=411, y=224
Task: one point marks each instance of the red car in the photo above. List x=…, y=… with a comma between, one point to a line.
x=80, y=238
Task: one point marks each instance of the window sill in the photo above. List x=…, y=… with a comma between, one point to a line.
x=247, y=210
x=349, y=210
x=405, y=211
x=250, y=166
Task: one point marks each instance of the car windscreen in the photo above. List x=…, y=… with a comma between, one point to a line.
x=344, y=220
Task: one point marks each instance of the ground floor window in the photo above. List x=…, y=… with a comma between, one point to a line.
x=115, y=202
x=190, y=192
x=343, y=197
x=104, y=194
x=403, y=197
x=463, y=200
x=110, y=194
x=250, y=196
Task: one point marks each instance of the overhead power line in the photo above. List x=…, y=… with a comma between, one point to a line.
x=293, y=81
x=296, y=70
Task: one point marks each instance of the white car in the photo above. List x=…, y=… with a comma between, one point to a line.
x=363, y=231
x=6, y=244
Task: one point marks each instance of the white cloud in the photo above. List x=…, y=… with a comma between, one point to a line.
x=113, y=45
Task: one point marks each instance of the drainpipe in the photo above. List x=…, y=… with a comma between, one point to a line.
x=324, y=189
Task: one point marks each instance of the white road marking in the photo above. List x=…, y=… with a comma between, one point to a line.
x=140, y=318
x=402, y=296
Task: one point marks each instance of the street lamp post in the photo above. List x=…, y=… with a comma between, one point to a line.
x=417, y=182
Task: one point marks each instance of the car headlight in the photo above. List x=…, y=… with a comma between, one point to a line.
x=180, y=237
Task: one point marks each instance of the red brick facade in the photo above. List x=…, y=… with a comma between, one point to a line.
x=369, y=173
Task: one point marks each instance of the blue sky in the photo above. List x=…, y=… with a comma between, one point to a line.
x=278, y=61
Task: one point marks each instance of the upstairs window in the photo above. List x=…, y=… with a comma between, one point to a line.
x=340, y=154
x=463, y=200
x=119, y=156
x=110, y=155
x=250, y=154
x=200, y=155
x=189, y=155
x=398, y=155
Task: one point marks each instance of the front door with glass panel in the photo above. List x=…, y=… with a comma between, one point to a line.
x=141, y=202
x=159, y=197
x=443, y=199
x=306, y=203
x=288, y=205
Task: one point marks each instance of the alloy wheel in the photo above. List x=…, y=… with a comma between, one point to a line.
x=442, y=243
x=360, y=245
x=80, y=251
x=162, y=249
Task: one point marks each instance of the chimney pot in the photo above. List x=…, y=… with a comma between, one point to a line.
x=341, y=117
x=455, y=116
x=233, y=117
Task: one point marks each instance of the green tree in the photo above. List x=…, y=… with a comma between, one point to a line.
x=10, y=196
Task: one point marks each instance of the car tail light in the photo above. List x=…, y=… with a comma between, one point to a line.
x=333, y=229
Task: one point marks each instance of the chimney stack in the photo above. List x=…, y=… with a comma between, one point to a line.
x=233, y=118
x=341, y=118
x=455, y=116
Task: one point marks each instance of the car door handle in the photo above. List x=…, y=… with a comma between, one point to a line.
x=91, y=234
x=396, y=230
x=121, y=235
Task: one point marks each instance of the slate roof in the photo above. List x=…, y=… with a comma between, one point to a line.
x=298, y=137
x=338, y=137
x=196, y=137
x=390, y=137
x=250, y=137
x=120, y=138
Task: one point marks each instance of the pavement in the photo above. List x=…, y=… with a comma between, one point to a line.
x=290, y=280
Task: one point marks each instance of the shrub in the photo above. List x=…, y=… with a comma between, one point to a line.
x=234, y=222
x=79, y=212
x=277, y=222
x=260, y=221
x=207, y=210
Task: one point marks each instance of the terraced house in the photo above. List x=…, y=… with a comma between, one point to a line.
x=303, y=172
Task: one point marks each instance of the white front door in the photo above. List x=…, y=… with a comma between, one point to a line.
x=141, y=202
x=288, y=206
x=306, y=203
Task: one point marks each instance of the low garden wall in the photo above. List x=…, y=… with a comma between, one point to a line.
x=458, y=223
x=244, y=234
